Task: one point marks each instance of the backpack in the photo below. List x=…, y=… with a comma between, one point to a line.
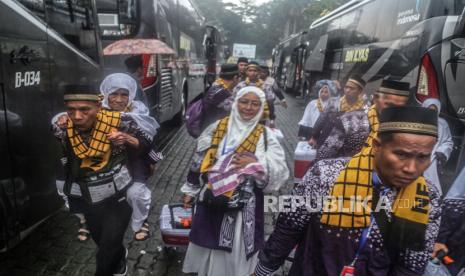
x=194, y=117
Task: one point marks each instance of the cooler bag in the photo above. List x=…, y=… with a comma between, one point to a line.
x=175, y=225
x=304, y=157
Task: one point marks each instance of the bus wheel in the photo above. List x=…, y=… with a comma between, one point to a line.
x=178, y=119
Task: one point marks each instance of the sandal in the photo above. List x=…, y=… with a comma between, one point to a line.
x=143, y=231
x=83, y=232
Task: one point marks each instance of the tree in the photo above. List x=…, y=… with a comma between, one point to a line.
x=267, y=24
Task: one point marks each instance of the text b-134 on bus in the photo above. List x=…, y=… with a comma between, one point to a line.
x=25, y=79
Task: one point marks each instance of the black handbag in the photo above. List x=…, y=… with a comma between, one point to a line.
x=241, y=195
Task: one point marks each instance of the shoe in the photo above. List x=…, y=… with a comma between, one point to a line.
x=123, y=267
x=123, y=272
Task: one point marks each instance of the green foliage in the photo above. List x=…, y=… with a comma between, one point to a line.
x=264, y=25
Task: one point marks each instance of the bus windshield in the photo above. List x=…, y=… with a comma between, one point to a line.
x=459, y=5
x=117, y=19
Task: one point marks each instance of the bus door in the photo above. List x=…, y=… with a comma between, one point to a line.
x=8, y=215
x=28, y=108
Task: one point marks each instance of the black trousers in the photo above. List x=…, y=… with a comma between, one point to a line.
x=107, y=224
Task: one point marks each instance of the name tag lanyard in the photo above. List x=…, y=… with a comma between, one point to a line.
x=350, y=269
x=225, y=150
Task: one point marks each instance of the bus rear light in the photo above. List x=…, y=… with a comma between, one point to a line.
x=427, y=86
x=149, y=63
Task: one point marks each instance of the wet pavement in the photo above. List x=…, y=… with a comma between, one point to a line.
x=53, y=249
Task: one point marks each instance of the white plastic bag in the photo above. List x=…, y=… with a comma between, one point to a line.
x=436, y=269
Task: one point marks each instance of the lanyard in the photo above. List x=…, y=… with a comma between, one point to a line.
x=224, y=150
x=365, y=235
x=366, y=232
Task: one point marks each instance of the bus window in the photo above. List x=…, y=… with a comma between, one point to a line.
x=86, y=26
x=459, y=6
x=445, y=7
x=74, y=20
x=117, y=19
x=367, y=18
x=35, y=6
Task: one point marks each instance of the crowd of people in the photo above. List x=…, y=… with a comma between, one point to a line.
x=374, y=203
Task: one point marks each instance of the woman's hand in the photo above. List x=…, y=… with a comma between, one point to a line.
x=120, y=138
x=242, y=160
x=312, y=142
x=439, y=247
x=117, y=138
x=62, y=121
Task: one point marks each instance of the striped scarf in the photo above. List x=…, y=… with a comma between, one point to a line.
x=248, y=145
x=354, y=184
x=95, y=154
x=346, y=107
x=374, y=125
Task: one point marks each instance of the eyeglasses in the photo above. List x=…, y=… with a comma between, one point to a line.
x=245, y=102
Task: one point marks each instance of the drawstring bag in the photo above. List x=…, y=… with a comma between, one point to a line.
x=194, y=117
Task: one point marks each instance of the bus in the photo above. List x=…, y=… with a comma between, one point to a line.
x=169, y=82
x=288, y=57
x=417, y=41
x=44, y=45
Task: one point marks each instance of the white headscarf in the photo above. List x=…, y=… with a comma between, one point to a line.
x=432, y=101
x=324, y=103
x=139, y=112
x=239, y=129
x=117, y=81
x=311, y=112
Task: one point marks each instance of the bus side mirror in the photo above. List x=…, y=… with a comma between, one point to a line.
x=126, y=12
x=460, y=27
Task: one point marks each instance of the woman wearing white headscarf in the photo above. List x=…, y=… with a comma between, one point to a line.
x=225, y=241
x=116, y=82
x=314, y=109
x=443, y=147
x=119, y=91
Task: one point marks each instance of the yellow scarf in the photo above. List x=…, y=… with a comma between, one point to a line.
x=223, y=84
x=248, y=145
x=259, y=83
x=96, y=154
x=346, y=107
x=319, y=105
x=356, y=181
x=374, y=125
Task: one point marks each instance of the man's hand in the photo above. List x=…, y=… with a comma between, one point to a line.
x=62, y=121
x=439, y=247
x=187, y=200
x=241, y=161
x=284, y=103
x=312, y=142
